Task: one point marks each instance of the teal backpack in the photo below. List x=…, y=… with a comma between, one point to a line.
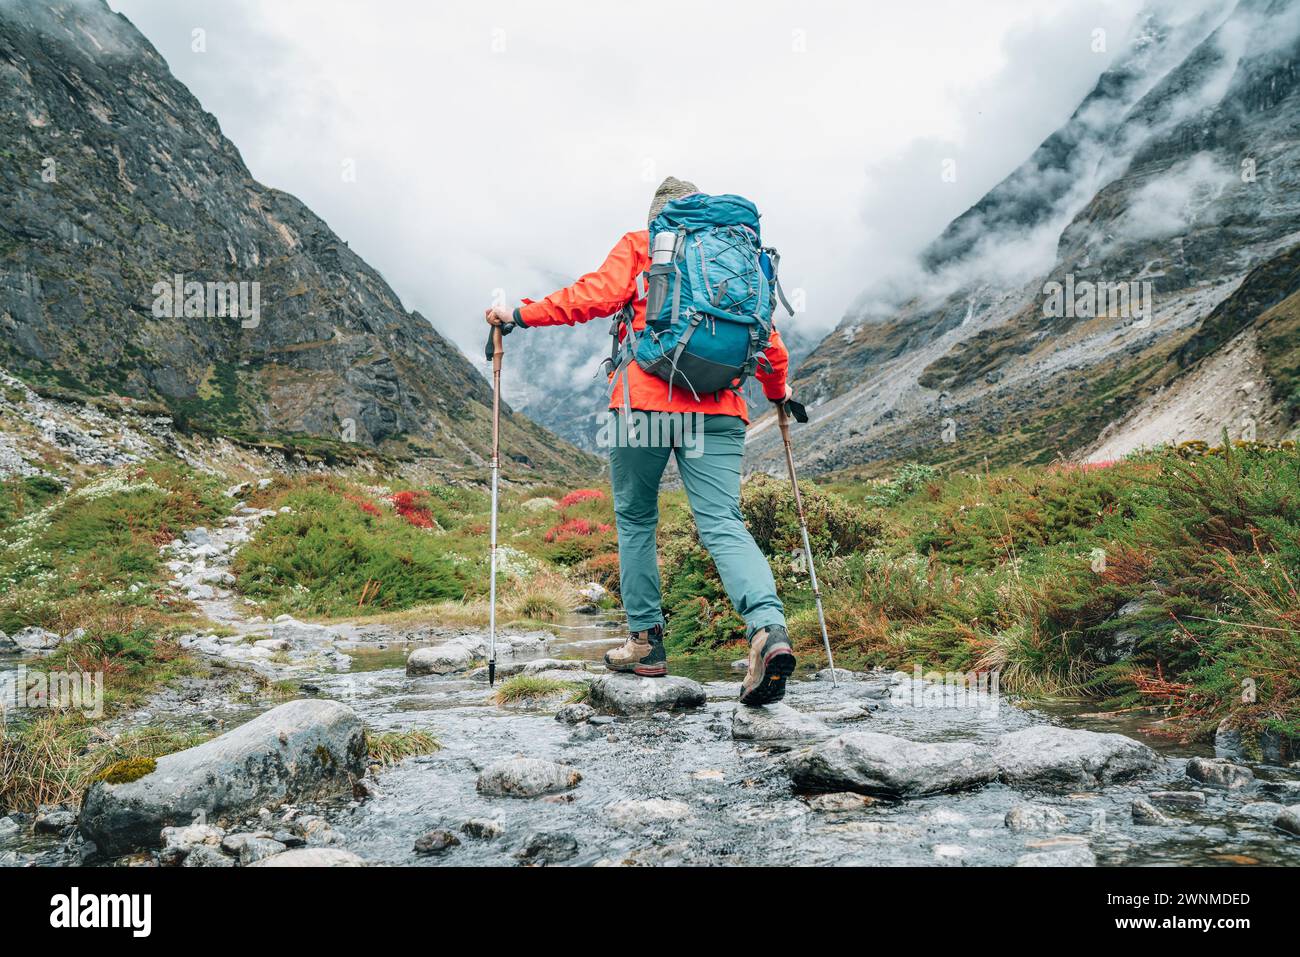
x=708, y=296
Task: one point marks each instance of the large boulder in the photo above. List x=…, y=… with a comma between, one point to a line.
x=881, y=764
x=1065, y=759
x=303, y=749
x=1220, y=773
x=631, y=695
x=444, y=659
x=526, y=777
x=777, y=724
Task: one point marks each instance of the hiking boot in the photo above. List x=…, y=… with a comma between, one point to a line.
x=642, y=654
x=771, y=661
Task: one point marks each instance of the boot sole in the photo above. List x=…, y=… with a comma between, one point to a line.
x=777, y=667
x=651, y=671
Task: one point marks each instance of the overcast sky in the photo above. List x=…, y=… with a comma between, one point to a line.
x=507, y=145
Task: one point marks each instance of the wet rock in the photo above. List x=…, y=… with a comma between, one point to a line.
x=54, y=821
x=1228, y=741
x=1074, y=856
x=840, y=801
x=444, y=659
x=776, y=723
x=881, y=764
x=1219, y=773
x=541, y=665
x=36, y=641
x=179, y=842
x=482, y=829
x=1144, y=812
x=548, y=848
x=8, y=646
x=306, y=748
x=436, y=842
x=1266, y=811
x=207, y=855
x=574, y=713
x=841, y=675
x=1289, y=821
x=740, y=665
x=630, y=695
x=1061, y=758
x=313, y=857
x=1178, y=798
x=1035, y=817
x=8, y=828
x=585, y=732
x=526, y=777
x=651, y=811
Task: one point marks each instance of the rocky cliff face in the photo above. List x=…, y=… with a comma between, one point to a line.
x=138, y=257
x=1174, y=178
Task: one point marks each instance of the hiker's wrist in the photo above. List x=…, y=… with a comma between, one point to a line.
x=519, y=319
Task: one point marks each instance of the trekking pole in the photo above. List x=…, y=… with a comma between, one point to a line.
x=783, y=419
x=497, y=352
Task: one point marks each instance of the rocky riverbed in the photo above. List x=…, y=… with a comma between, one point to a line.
x=878, y=769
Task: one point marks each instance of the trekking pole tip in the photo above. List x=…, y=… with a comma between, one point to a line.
x=492, y=672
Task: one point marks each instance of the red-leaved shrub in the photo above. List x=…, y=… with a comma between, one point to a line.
x=575, y=528
x=410, y=505
x=581, y=495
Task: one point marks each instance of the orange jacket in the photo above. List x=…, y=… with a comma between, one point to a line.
x=602, y=293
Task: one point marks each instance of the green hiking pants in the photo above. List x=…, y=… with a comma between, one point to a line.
x=708, y=449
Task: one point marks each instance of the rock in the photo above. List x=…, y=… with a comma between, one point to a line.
x=436, y=842
x=313, y=857
x=444, y=659
x=1144, y=812
x=8, y=828
x=300, y=634
x=1035, y=817
x=198, y=537
x=574, y=713
x=36, y=641
x=740, y=665
x=54, y=821
x=540, y=665
x=179, y=842
x=207, y=855
x=8, y=646
x=585, y=732
x=1178, y=798
x=631, y=695
x=302, y=749
x=594, y=592
x=1061, y=758
x=881, y=764
x=482, y=829
x=548, y=848
x=651, y=811
x=840, y=801
x=540, y=504
x=1219, y=773
x=776, y=723
x=1122, y=642
x=1074, y=856
x=841, y=674
x=1289, y=821
x=1228, y=742
x=259, y=848
x=526, y=777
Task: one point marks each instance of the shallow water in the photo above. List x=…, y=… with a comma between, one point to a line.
x=741, y=808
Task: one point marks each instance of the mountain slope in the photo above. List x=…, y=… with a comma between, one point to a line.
x=1179, y=170
x=116, y=182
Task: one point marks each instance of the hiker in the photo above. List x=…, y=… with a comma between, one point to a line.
x=703, y=394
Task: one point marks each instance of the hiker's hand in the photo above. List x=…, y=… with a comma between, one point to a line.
x=789, y=393
x=500, y=316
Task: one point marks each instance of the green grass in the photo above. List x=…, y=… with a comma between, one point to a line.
x=531, y=688
x=332, y=557
x=390, y=747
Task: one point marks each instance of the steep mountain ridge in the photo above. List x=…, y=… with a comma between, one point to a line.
x=120, y=192
x=1179, y=171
